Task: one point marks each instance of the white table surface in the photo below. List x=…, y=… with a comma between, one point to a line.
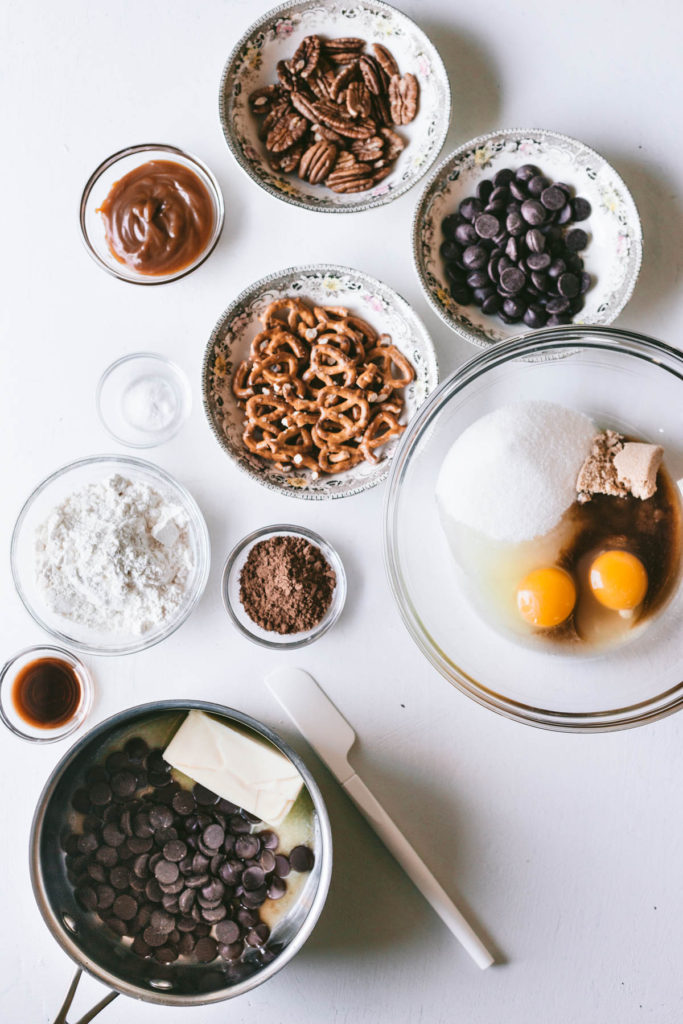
x=567, y=849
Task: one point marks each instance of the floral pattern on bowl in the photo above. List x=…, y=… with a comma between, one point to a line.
x=612, y=257
x=323, y=284
x=275, y=36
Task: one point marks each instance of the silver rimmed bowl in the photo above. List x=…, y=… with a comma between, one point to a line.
x=51, y=493
x=614, y=252
x=275, y=36
x=112, y=170
x=325, y=285
x=104, y=955
x=623, y=381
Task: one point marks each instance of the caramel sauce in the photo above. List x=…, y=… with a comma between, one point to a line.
x=46, y=693
x=158, y=218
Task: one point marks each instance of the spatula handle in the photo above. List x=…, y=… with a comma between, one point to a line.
x=417, y=870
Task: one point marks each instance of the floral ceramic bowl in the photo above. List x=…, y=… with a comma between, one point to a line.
x=275, y=37
x=612, y=257
x=326, y=285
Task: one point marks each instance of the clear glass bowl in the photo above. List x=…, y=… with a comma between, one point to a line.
x=622, y=380
x=8, y=712
x=54, y=490
x=115, y=398
x=112, y=170
x=230, y=589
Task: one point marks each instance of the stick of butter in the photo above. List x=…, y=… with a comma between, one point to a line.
x=236, y=765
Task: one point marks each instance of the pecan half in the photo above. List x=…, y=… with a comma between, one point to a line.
x=305, y=106
x=358, y=100
x=342, y=79
x=368, y=149
x=380, y=109
x=318, y=161
x=288, y=78
x=349, y=175
x=372, y=74
x=262, y=101
x=305, y=60
x=344, y=49
x=394, y=144
x=288, y=161
x=403, y=98
x=385, y=59
x=320, y=131
x=288, y=130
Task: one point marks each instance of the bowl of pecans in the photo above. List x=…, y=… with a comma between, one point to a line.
x=310, y=377
x=336, y=107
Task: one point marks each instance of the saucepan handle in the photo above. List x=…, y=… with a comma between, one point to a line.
x=66, y=1005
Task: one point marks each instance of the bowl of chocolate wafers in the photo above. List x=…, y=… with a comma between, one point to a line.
x=311, y=376
x=335, y=107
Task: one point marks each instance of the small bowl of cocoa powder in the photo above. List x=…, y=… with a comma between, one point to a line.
x=283, y=586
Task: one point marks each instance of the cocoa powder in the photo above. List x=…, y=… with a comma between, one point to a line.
x=286, y=584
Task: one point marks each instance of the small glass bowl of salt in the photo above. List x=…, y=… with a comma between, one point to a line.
x=143, y=399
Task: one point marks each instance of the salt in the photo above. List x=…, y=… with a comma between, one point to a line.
x=512, y=474
x=150, y=404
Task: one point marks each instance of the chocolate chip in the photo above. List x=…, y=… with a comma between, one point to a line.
x=282, y=865
x=553, y=198
x=227, y=932
x=581, y=208
x=230, y=951
x=512, y=280
x=174, y=850
x=533, y=212
x=99, y=794
x=183, y=802
x=568, y=285
x=141, y=947
x=153, y=937
x=486, y=225
x=160, y=816
x=269, y=839
x=162, y=921
x=276, y=888
x=301, y=858
x=123, y=784
x=576, y=239
x=213, y=837
x=125, y=907
x=205, y=950
x=166, y=873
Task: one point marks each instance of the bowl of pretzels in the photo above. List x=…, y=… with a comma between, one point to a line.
x=311, y=376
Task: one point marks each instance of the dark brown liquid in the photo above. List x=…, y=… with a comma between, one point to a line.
x=158, y=218
x=46, y=693
x=651, y=529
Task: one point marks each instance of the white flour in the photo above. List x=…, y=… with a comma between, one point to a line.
x=114, y=556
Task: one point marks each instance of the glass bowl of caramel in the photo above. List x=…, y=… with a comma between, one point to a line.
x=151, y=214
x=619, y=665
x=46, y=693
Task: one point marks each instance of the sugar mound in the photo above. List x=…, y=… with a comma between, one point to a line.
x=512, y=474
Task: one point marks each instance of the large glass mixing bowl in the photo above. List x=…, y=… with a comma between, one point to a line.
x=625, y=381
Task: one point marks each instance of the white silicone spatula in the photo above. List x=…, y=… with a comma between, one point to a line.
x=332, y=737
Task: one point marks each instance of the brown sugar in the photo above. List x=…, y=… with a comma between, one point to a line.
x=598, y=474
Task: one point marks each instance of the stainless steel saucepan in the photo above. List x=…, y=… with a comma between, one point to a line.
x=91, y=945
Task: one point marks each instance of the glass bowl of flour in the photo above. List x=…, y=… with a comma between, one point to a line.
x=623, y=382
x=110, y=554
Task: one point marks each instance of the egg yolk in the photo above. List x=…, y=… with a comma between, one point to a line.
x=546, y=597
x=619, y=580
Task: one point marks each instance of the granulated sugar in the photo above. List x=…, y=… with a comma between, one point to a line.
x=512, y=474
